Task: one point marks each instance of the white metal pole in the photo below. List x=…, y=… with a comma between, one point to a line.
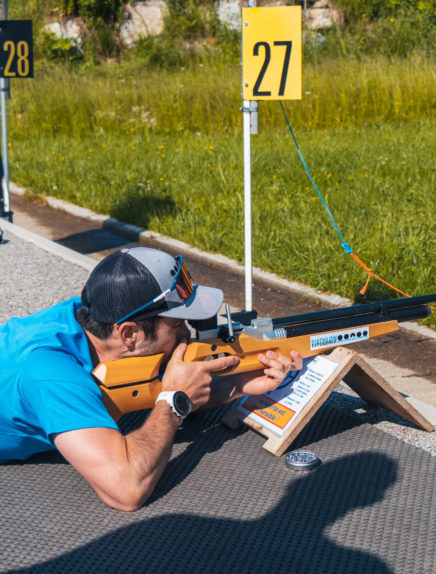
x=249, y=109
x=247, y=208
x=5, y=180
x=4, y=89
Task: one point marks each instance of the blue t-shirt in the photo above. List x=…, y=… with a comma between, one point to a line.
x=46, y=386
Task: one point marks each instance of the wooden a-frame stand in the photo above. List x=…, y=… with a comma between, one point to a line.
x=357, y=374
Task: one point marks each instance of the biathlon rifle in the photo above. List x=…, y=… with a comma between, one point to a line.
x=132, y=383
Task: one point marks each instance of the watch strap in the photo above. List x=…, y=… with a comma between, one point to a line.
x=168, y=397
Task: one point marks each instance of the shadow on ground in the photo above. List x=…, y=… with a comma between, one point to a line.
x=94, y=240
x=291, y=537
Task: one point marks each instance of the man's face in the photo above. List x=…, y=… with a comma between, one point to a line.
x=169, y=333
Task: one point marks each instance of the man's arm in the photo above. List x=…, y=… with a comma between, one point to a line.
x=123, y=470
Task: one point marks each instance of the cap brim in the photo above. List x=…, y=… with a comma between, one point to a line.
x=204, y=303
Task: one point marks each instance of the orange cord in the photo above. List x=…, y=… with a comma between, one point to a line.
x=371, y=273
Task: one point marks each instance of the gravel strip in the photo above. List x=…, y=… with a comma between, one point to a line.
x=345, y=398
x=32, y=279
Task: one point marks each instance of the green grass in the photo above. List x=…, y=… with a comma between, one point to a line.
x=205, y=98
x=163, y=149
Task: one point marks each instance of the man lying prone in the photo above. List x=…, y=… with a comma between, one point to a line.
x=135, y=303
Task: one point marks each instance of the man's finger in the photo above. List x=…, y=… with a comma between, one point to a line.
x=297, y=360
x=276, y=374
x=221, y=363
x=274, y=360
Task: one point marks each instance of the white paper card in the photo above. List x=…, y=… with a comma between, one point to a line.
x=278, y=409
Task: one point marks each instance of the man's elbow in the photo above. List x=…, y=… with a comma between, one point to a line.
x=124, y=496
x=125, y=501
x=126, y=505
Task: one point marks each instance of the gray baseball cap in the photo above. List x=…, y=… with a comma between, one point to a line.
x=141, y=282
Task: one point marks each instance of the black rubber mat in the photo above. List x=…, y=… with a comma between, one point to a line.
x=224, y=504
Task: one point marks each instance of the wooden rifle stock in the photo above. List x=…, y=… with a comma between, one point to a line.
x=133, y=383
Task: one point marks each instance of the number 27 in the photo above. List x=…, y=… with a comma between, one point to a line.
x=267, y=59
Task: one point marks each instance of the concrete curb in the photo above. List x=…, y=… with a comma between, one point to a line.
x=135, y=233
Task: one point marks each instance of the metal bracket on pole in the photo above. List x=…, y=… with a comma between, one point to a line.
x=253, y=117
x=5, y=86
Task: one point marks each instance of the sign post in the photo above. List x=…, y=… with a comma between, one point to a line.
x=16, y=61
x=271, y=70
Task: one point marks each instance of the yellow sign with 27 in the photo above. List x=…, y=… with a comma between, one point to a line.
x=271, y=53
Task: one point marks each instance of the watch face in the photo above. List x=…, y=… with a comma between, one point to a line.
x=182, y=403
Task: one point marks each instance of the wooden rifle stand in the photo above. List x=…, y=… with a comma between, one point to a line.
x=281, y=425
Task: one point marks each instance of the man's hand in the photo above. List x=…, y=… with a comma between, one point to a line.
x=277, y=367
x=228, y=388
x=193, y=378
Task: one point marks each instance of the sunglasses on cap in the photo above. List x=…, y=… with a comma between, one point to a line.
x=181, y=283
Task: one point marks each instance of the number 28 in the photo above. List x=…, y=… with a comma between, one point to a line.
x=267, y=58
x=21, y=52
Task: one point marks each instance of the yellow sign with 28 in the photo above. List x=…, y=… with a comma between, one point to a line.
x=271, y=53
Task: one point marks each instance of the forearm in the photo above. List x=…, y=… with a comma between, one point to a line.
x=148, y=450
x=123, y=470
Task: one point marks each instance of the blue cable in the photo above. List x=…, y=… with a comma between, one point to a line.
x=346, y=246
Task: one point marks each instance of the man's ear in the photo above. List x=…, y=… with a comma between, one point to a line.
x=128, y=332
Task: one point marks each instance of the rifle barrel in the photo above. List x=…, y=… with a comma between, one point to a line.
x=405, y=314
x=408, y=309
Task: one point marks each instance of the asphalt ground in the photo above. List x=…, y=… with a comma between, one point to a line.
x=407, y=359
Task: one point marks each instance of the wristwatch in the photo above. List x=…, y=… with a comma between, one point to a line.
x=178, y=401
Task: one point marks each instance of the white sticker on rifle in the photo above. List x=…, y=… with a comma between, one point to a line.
x=337, y=338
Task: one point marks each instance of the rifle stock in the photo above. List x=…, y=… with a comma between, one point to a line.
x=133, y=383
